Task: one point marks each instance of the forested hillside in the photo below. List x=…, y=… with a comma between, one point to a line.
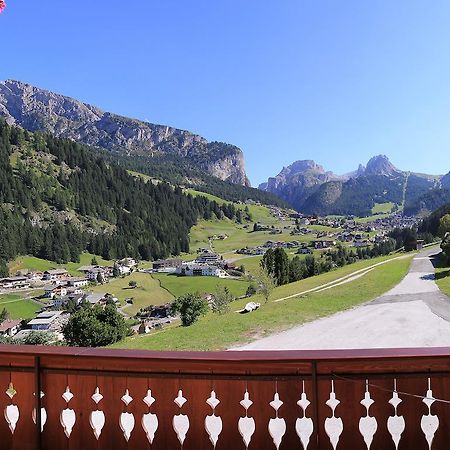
x=431, y=223
x=58, y=198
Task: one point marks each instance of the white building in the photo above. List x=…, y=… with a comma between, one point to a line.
x=203, y=270
x=77, y=282
x=14, y=283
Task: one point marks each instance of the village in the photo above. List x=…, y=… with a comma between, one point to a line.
x=63, y=293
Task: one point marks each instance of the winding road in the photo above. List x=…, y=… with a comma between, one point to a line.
x=415, y=313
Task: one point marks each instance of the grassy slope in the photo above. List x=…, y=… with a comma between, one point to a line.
x=148, y=291
x=383, y=208
x=181, y=285
x=33, y=263
x=443, y=277
x=19, y=306
x=221, y=332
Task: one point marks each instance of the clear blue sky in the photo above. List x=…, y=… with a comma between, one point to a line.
x=333, y=81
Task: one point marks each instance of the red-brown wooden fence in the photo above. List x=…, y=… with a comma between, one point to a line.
x=124, y=379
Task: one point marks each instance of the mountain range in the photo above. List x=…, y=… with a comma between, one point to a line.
x=36, y=109
x=309, y=188
x=187, y=159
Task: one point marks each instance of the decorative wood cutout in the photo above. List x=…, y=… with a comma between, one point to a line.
x=11, y=392
x=180, y=422
x=12, y=416
x=149, y=420
x=11, y=412
x=43, y=417
x=126, y=419
x=304, y=426
x=429, y=422
x=126, y=423
x=213, y=423
x=97, y=417
x=43, y=413
x=246, y=425
x=395, y=423
x=68, y=416
x=277, y=426
x=367, y=424
x=333, y=425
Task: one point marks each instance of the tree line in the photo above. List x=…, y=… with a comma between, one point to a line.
x=284, y=270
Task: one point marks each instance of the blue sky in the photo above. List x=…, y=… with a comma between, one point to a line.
x=333, y=81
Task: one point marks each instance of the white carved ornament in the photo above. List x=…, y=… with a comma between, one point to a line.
x=213, y=423
x=395, y=423
x=333, y=425
x=304, y=426
x=246, y=425
x=429, y=422
x=126, y=419
x=277, y=426
x=97, y=417
x=68, y=416
x=367, y=424
x=149, y=420
x=180, y=422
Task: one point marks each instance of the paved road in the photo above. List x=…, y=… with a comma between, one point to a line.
x=413, y=314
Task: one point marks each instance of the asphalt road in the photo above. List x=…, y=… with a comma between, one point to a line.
x=413, y=314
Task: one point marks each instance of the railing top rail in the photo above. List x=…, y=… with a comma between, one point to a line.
x=280, y=355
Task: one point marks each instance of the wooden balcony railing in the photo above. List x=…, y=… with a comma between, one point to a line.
x=118, y=399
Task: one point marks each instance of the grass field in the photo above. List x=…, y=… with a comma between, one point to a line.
x=148, y=291
x=19, y=307
x=220, y=332
x=158, y=289
x=382, y=208
x=181, y=285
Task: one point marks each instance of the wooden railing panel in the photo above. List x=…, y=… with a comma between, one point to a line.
x=229, y=375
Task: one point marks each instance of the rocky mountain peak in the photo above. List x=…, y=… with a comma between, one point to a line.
x=380, y=165
x=37, y=109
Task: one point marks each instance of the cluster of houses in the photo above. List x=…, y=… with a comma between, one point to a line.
x=56, y=280
x=60, y=290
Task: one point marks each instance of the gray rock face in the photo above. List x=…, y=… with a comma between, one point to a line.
x=298, y=181
x=39, y=110
x=380, y=165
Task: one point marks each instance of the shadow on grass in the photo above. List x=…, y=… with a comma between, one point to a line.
x=444, y=274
